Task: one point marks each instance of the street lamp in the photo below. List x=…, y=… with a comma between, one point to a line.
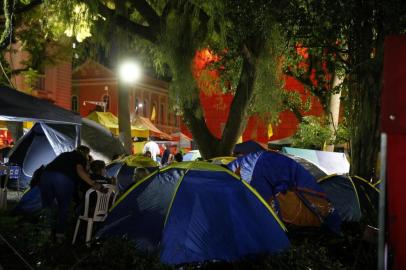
x=129, y=72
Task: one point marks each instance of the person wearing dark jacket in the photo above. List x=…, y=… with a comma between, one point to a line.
x=59, y=181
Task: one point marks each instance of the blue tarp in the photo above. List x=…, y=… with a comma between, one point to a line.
x=195, y=212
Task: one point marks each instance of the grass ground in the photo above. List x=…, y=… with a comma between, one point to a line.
x=312, y=249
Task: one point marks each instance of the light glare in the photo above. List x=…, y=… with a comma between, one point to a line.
x=129, y=72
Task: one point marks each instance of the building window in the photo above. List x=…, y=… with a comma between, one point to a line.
x=162, y=114
x=106, y=100
x=144, y=106
x=153, y=112
x=74, y=104
x=136, y=106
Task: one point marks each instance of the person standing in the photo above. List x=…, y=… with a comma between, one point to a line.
x=165, y=155
x=152, y=147
x=60, y=180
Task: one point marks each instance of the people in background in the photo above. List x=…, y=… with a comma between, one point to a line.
x=59, y=182
x=153, y=148
x=165, y=155
x=178, y=157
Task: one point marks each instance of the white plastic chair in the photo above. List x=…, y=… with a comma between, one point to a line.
x=103, y=202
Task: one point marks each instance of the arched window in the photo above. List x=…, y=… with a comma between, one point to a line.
x=144, y=108
x=162, y=114
x=74, y=104
x=136, y=106
x=153, y=113
x=106, y=100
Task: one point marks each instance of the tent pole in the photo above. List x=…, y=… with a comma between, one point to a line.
x=382, y=245
x=77, y=141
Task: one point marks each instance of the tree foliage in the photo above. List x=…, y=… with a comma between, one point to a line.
x=351, y=34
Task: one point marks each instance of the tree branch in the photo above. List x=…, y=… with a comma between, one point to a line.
x=147, y=12
x=125, y=23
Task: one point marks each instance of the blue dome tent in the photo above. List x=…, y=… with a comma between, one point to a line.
x=287, y=186
x=123, y=169
x=195, y=212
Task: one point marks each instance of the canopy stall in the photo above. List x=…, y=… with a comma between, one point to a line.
x=144, y=123
x=110, y=121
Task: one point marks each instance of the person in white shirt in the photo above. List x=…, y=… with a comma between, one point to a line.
x=153, y=148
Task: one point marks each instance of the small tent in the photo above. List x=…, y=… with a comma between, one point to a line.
x=123, y=169
x=354, y=197
x=43, y=142
x=288, y=187
x=341, y=191
x=195, y=212
x=331, y=162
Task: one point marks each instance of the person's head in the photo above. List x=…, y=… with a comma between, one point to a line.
x=84, y=150
x=98, y=167
x=179, y=157
x=148, y=154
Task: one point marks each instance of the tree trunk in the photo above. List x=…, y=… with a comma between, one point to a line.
x=209, y=145
x=365, y=125
x=124, y=125
x=334, y=113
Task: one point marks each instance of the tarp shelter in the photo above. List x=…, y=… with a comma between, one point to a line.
x=248, y=147
x=144, y=123
x=123, y=169
x=43, y=142
x=196, y=212
x=18, y=106
x=110, y=121
x=331, y=162
x=288, y=187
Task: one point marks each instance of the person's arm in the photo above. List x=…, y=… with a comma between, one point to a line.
x=85, y=177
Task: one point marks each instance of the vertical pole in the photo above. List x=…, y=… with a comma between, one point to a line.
x=124, y=126
x=382, y=246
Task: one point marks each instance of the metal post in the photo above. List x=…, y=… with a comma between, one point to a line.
x=382, y=246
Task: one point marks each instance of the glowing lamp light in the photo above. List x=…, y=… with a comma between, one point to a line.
x=129, y=72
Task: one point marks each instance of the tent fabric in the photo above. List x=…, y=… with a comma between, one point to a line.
x=37, y=147
x=144, y=123
x=273, y=174
x=18, y=106
x=183, y=140
x=341, y=191
x=30, y=203
x=312, y=168
x=110, y=121
x=43, y=142
x=195, y=212
x=331, y=162
x=368, y=196
x=248, y=147
x=123, y=169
